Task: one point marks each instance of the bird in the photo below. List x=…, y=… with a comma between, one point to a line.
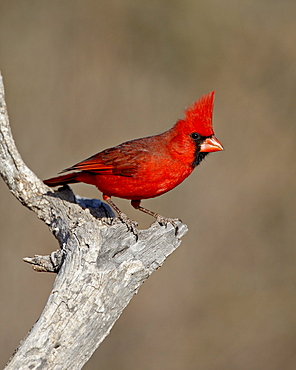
x=151, y=166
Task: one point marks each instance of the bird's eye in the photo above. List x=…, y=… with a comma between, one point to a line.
x=194, y=135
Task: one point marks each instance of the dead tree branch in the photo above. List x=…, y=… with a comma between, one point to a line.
x=100, y=266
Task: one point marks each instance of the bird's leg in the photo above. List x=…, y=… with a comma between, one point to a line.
x=160, y=219
x=131, y=224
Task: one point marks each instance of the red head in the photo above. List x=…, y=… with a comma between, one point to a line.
x=197, y=125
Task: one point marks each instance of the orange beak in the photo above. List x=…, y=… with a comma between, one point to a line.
x=211, y=144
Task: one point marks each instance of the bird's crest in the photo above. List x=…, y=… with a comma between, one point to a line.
x=198, y=116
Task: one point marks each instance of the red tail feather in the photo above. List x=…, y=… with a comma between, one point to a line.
x=70, y=178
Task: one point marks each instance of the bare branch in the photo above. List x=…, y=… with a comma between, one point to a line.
x=100, y=265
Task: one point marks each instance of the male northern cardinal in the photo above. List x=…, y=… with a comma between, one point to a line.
x=147, y=167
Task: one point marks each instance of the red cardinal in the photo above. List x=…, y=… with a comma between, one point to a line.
x=147, y=167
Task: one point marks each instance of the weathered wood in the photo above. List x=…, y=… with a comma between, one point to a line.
x=100, y=264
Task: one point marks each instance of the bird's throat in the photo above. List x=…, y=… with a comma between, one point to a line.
x=198, y=157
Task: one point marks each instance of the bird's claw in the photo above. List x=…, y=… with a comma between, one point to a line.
x=164, y=221
x=107, y=220
x=130, y=224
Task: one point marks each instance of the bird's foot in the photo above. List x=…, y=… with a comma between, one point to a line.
x=164, y=221
x=107, y=220
x=130, y=224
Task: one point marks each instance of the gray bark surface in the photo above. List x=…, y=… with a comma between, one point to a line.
x=100, y=265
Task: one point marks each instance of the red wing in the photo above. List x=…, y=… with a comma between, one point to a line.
x=121, y=160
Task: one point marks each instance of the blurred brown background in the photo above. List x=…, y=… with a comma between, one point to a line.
x=81, y=76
